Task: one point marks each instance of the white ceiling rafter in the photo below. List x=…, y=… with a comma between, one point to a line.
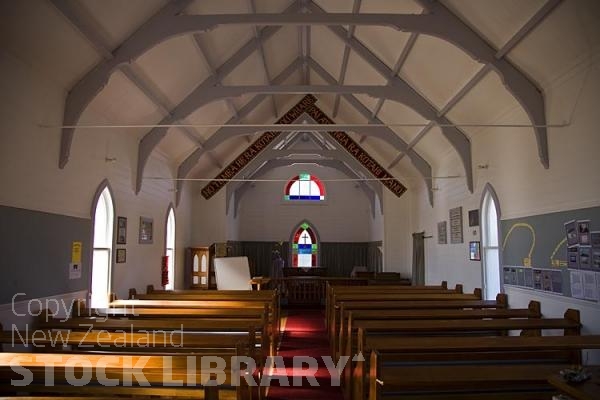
x=345, y=58
x=384, y=133
x=221, y=134
x=83, y=23
x=441, y=23
x=261, y=52
x=451, y=103
x=218, y=80
x=192, y=103
x=530, y=25
x=395, y=70
x=302, y=20
x=407, y=95
x=82, y=93
x=526, y=91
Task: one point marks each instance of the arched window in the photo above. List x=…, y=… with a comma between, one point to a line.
x=305, y=187
x=170, y=248
x=304, y=247
x=103, y=216
x=490, y=212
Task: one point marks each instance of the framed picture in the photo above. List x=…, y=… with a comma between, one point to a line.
x=121, y=255
x=121, y=230
x=583, y=231
x=146, y=230
x=442, y=232
x=474, y=251
x=473, y=218
x=456, y=225
x=571, y=231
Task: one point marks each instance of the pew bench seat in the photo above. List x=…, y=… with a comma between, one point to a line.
x=444, y=364
x=478, y=381
x=118, y=374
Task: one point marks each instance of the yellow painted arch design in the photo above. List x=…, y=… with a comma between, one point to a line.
x=557, y=248
x=521, y=225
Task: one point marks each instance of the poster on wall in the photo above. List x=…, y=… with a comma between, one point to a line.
x=595, y=239
x=573, y=257
x=595, y=242
x=520, y=277
x=595, y=259
x=456, y=226
x=537, y=279
x=571, y=231
x=557, y=282
x=585, y=257
x=590, y=288
x=442, y=232
x=74, y=270
x=576, y=284
x=474, y=251
x=583, y=232
x=528, y=272
x=547, y=281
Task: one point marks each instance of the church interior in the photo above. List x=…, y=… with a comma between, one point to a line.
x=353, y=199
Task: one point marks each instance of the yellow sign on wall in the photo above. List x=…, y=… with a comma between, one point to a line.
x=76, y=252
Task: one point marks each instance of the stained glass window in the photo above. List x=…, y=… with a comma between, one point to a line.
x=304, y=247
x=305, y=187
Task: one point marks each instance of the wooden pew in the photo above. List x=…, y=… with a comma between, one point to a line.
x=346, y=307
x=333, y=288
x=270, y=298
x=224, y=338
x=570, y=324
x=503, y=366
x=337, y=293
x=336, y=309
x=159, y=341
x=198, y=308
x=385, y=278
x=406, y=311
x=387, y=293
x=118, y=367
x=252, y=321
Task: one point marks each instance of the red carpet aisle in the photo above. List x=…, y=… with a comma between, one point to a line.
x=304, y=335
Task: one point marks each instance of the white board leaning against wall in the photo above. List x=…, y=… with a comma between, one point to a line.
x=232, y=273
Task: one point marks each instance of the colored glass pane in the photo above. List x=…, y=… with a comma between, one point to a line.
x=304, y=187
x=304, y=247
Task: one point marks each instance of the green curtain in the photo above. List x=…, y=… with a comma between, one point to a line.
x=337, y=257
x=374, y=257
x=260, y=254
x=340, y=258
x=418, y=267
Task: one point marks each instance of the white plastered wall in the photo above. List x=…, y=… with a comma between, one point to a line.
x=523, y=186
x=343, y=217
x=32, y=180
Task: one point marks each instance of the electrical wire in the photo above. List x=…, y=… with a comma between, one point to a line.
x=302, y=127
x=287, y=180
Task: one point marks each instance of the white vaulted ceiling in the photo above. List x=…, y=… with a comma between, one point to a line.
x=532, y=42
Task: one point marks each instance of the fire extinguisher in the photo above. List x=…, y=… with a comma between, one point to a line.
x=164, y=281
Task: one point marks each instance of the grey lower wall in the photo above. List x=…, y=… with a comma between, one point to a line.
x=543, y=235
x=36, y=253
